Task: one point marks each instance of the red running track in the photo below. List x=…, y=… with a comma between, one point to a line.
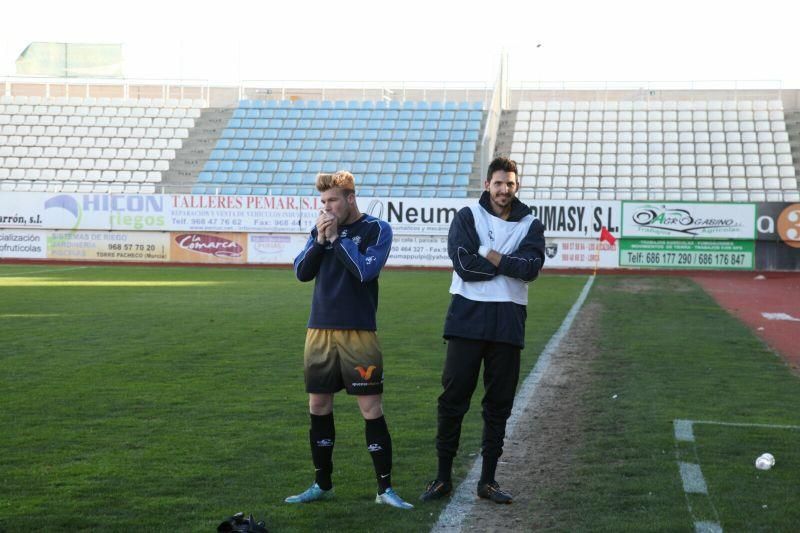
x=747, y=296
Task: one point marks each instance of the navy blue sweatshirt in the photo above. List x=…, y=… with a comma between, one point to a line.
x=346, y=272
x=491, y=321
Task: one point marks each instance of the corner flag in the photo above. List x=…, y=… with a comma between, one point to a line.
x=605, y=235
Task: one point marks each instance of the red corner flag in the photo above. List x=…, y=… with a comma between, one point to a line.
x=605, y=235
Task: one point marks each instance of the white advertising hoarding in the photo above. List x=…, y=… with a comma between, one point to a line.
x=23, y=244
x=655, y=220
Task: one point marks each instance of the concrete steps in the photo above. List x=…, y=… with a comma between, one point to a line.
x=191, y=158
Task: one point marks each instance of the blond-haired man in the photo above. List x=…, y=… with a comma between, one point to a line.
x=344, y=255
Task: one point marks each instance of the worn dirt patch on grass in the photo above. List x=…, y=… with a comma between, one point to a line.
x=538, y=456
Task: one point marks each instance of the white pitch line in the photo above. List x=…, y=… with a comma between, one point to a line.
x=11, y=274
x=463, y=499
x=692, y=477
x=707, y=527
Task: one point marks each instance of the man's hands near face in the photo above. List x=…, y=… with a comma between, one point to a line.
x=327, y=228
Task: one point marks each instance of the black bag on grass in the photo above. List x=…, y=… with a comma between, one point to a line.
x=239, y=523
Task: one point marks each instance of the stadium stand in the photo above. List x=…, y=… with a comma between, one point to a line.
x=90, y=145
x=686, y=146
x=704, y=150
x=401, y=149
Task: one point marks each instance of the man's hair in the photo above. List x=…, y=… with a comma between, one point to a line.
x=341, y=180
x=502, y=163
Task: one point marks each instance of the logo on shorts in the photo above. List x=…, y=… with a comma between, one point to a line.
x=366, y=373
x=325, y=443
x=374, y=448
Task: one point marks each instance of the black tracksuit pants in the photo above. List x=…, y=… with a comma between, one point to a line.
x=461, y=370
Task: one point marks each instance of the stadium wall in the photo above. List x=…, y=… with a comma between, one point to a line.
x=186, y=228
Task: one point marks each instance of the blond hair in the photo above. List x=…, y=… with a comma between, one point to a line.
x=341, y=179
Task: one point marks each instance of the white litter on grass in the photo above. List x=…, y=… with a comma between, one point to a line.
x=780, y=316
x=614, y=397
x=452, y=516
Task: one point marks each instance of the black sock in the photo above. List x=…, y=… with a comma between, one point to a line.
x=488, y=468
x=322, y=436
x=379, y=444
x=445, y=468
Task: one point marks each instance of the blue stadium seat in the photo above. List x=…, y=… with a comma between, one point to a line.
x=458, y=193
x=443, y=193
x=462, y=180
x=401, y=179
x=198, y=189
x=255, y=166
x=437, y=157
x=235, y=177
x=280, y=178
x=430, y=180
x=226, y=166
x=370, y=179
x=228, y=190
x=366, y=191
x=204, y=177
x=464, y=168
x=359, y=168
x=415, y=179
x=412, y=192
x=447, y=180
x=428, y=193
x=211, y=165
x=261, y=191
x=385, y=179
x=264, y=177
x=245, y=189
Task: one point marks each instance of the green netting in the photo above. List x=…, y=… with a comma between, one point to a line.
x=71, y=60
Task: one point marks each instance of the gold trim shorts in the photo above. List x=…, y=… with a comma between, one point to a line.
x=337, y=359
